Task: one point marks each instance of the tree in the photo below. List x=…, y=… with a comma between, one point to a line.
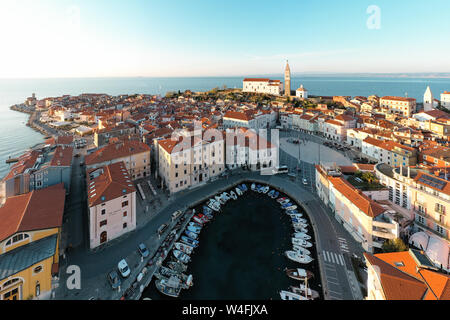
x=396, y=245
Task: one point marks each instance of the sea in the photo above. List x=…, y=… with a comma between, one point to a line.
x=15, y=137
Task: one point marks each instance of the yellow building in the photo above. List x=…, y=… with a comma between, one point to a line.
x=29, y=243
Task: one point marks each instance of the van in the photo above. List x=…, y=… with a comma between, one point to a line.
x=176, y=214
x=280, y=170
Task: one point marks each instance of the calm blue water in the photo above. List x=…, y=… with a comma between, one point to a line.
x=15, y=137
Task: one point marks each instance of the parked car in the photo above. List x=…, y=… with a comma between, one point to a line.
x=162, y=229
x=176, y=214
x=123, y=268
x=143, y=250
x=114, y=280
x=305, y=181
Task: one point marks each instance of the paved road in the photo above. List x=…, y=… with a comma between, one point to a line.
x=334, y=245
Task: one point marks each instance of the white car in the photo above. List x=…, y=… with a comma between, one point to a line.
x=305, y=181
x=123, y=268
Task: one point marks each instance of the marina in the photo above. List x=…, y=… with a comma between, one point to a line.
x=222, y=262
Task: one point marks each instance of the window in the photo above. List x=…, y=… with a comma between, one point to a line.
x=37, y=269
x=103, y=212
x=124, y=204
x=124, y=225
x=103, y=223
x=125, y=213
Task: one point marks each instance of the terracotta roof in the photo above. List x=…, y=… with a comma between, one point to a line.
x=108, y=183
x=398, y=99
x=422, y=175
x=26, y=161
x=36, y=210
x=256, y=80
x=397, y=285
x=116, y=150
x=64, y=140
x=438, y=283
x=355, y=196
x=245, y=116
x=62, y=157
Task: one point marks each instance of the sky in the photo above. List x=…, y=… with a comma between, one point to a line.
x=178, y=38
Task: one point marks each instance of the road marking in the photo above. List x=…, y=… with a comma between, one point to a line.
x=342, y=259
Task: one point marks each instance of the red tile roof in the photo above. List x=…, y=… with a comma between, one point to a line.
x=112, y=182
x=36, y=210
x=62, y=157
x=116, y=150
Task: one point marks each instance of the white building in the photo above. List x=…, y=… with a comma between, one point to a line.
x=111, y=203
x=301, y=93
x=445, y=99
x=263, y=85
x=251, y=119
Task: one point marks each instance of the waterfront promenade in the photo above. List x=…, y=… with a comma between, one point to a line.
x=337, y=278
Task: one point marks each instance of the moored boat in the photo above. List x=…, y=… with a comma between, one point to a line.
x=286, y=205
x=198, y=219
x=295, y=256
x=253, y=187
x=170, y=287
x=299, y=274
x=281, y=199
x=275, y=195
x=271, y=193
x=184, y=248
x=194, y=229
x=233, y=195
x=305, y=292
x=195, y=224
x=291, y=208
x=244, y=187
x=265, y=190
x=239, y=192
x=301, y=250
x=181, y=256
x=287, y=295
x=301, y=229
x=301, y=235
x=189, y=241
x=301, y=242
x=191, y=235
x=177, y=266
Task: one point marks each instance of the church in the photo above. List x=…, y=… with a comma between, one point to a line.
x=274, y=87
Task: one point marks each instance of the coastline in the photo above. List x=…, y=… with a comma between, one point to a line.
x=32, y=122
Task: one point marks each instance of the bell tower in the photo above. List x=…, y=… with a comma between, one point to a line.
x=287, y=80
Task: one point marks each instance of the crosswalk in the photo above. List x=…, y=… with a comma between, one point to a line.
x=343, y=245
x=333, y=257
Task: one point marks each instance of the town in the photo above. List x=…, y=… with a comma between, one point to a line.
x=107, y=187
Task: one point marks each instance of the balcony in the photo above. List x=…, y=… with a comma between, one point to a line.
x=434, y=222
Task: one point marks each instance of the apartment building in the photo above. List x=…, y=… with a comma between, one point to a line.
x=389, y=152
x=263, y=85
x=407, y=275
x=39, y=169
x=251, y=119
x=246, y=148
x=399, y=105
x=111, y=203
x=30, y=242
x=367, y=221
x=445, y=99
x=103, y=136
x=190, y=161
x=426, y=198
x=134, y=153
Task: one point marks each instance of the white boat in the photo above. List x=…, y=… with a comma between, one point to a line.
x=301, y=220
x=226, y=196
x=233, y=195
x=301, y=235
x=239, y=192
x=304, y=291
x=301, y=250
x=296, y=215
x=285, y=201
x=253, y=187
x=287, y=295
x=301, y=242
x=184, y=248
x=220, y=199
x=290, y=208
x=265, y=190
x=295, y=256
x=299, y=225
x=301, y=230
x=279, y=200
x=181, y=256
x=299, y=274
